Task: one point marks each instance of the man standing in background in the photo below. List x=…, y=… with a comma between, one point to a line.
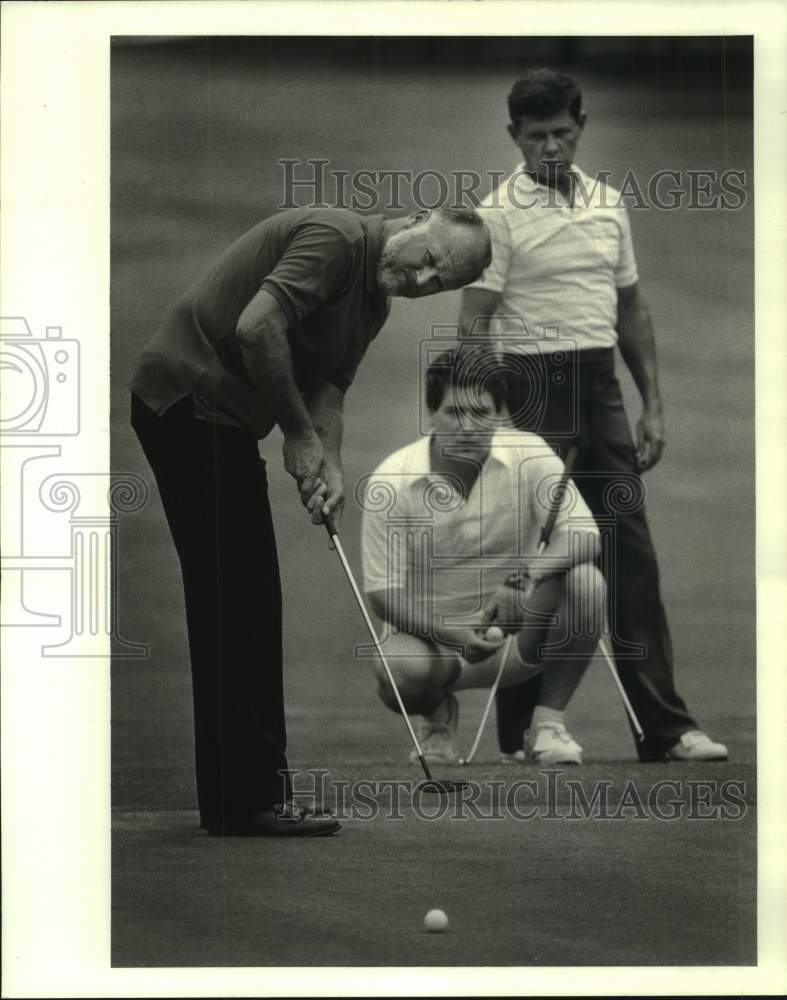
x=561, y=292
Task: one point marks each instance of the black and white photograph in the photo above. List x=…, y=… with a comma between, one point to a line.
x=416, y=545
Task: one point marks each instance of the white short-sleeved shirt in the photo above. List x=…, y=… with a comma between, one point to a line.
x=558, y=266
x=420, y=535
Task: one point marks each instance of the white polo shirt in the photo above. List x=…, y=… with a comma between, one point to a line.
x=421, y=535
x=557, y=265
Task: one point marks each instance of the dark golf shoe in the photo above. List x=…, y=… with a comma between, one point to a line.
x=284, y=820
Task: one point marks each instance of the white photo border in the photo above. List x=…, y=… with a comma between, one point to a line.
x=55, y=269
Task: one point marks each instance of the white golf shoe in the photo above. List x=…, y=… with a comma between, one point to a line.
x=696, y=745
x=550, y=743
x=438, y=739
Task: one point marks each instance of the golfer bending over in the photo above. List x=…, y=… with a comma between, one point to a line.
x=272, y=334
x=451, y=525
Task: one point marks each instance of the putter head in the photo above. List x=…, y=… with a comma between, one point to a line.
x=433, y=787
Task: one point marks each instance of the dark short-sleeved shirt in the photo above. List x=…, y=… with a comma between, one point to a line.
x=320, y=265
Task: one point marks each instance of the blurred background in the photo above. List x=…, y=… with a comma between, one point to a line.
x=198, y=126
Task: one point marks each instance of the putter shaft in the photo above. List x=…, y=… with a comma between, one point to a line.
x=621, y=691
x=331, y=528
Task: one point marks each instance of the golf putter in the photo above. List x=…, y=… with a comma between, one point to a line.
x=610, y=662
x=431, y=785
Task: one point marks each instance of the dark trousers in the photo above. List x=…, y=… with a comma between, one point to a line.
x=575, y=399
x=214, y=490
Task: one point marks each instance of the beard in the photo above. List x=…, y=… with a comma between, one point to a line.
x=389, y=277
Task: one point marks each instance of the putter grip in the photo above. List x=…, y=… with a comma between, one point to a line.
x=557, y=497
x=330, y=527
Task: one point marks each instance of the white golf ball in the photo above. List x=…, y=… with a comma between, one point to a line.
x=494, y=634
x=435, y=921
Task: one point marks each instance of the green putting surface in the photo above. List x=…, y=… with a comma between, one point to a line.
x=557, y=889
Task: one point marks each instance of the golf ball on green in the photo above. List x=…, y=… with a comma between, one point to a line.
x=435, y=921
x=494, y=634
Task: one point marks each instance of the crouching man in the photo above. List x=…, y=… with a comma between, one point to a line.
x=451, y=525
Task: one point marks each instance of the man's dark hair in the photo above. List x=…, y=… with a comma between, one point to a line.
x=474, y=368
x=544, y=93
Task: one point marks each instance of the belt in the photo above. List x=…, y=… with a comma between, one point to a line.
x=580, y=358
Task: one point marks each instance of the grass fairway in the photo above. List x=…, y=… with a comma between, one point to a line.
x=195, y=138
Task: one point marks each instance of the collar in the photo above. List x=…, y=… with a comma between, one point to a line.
x=524, y=176
x=374, y=246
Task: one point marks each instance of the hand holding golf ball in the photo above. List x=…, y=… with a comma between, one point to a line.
x=494, y=634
